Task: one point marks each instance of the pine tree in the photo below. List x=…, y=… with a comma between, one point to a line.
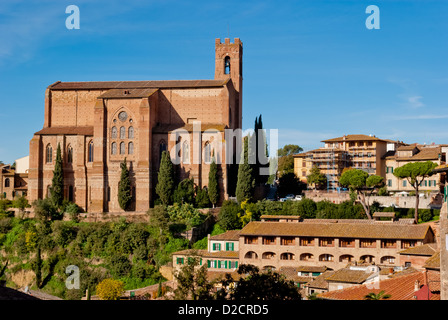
x=246, y=182
x=165, y=179
x=57, y=184
x=213, y=187
x=124, y=187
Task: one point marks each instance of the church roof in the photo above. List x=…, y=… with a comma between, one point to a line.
x=69, y=130
x=105, y=85
x=128, y=93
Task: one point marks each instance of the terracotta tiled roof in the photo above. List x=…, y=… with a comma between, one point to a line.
x=207, y=254
x=320, y=282
x=231, y=235
x=399, y=288
x=103, y=85
x=311, y=269
x=338, y=230
x=354, y=137
x=424, y=250
x=433, y=262
x=69, y=130
x=427, y=153
x=349, y=276
x=291, y=274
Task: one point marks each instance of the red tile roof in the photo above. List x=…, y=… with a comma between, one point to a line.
x=399, y=288
x=340, y=229
x=69, y=130
x=104, y=85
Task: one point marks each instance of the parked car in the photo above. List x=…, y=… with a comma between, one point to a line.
x=283, y=199
x=298, y=197
x=289, y=196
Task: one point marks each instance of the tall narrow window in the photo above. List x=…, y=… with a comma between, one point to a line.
x=122, y=133
x=7, y=183
x=114, y=148
x=90, y=152
x=207, y=153
x=70, y=193
x=69, y=154
x=122, y=147
x=49, y=154
x=131, y=148
x=131, y=133
x=227, y=65
x=114, y=132
x=186, y=152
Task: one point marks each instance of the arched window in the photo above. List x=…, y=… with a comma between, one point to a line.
x=49, y=154
x=131, y=148
x=186, y=152
x=122, y=147
x=90, y=152
x=131, y=133
x=113, y=148
x=114, y=132
x=207, y=153
x=122, y=133
x=251, y=255
x=227, y=65
x=69, y=154
x=7, y=183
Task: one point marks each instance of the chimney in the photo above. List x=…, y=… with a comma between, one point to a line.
x=416, y=285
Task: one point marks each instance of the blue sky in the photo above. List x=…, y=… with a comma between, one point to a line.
x=311, y=67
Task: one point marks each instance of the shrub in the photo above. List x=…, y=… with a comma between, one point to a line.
x=228, y=215
x=110, y=289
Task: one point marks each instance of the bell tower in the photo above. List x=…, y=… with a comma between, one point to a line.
x=229, y=64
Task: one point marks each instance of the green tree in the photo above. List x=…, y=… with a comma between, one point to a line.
x=124, y=187
x=256, y=285
x=415, y=173
x=213, y=186
x=246, y=182
x=184, y=192
x=360, y=182
x=57, y=184
x=21, y=203
x=202, y=199
x=377, y=296
x=192, y=282
x=260, y=150
x=288, y=183
x=228, y=217
x=165, y=179
x=110, y=289
x=44, y=209
x=316, y=178
x=286, y=158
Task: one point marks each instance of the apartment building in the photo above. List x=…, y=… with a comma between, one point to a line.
x=272, y=245
x=221, y=255
x=359, y=151
x=414, y=153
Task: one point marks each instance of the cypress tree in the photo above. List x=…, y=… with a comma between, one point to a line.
x=124, y=187
x=246, y=182
x=57, y=184
x=165, y=179
x=213, y=187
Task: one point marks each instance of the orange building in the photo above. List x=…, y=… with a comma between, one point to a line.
x=98, y=124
